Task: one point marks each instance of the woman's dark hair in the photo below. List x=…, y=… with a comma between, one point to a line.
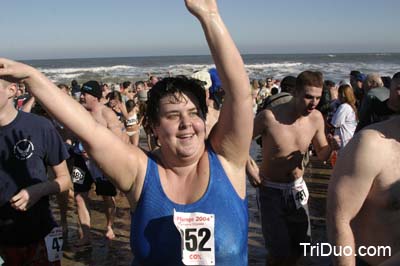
x=174, y=87
x=114, y=95
x=130, y=104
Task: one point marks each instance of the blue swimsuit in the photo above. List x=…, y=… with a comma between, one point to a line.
x=156, y=241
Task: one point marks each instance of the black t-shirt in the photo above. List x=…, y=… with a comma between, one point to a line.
x=28, y=145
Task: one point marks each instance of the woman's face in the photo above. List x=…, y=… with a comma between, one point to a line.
x=181, y=128
x=113, y=103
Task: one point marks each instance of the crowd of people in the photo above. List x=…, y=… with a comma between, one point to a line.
x=315, y=111
x=187, y=188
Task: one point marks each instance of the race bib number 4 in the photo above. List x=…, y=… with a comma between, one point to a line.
x=54, y=244
x=300, y=194
x=197, y=237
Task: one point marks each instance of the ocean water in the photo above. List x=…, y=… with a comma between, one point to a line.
x=335, y=67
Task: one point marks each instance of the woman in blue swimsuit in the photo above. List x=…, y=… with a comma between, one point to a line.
x=190, y=194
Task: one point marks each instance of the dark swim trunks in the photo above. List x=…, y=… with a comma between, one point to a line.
x=360, y=262
x=285, y=224
x=83, y=179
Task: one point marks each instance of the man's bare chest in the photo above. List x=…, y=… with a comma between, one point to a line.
x=294, y=137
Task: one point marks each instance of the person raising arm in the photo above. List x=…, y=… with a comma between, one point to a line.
x=185, y=177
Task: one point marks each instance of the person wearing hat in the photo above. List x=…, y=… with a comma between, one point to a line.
x=86, y=173
x=374, y=104
x=213, y=110
x=357, y=83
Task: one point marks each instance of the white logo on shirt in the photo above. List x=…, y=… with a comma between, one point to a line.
x=23, y=150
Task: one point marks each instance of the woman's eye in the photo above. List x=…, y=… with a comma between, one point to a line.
x=172, y=116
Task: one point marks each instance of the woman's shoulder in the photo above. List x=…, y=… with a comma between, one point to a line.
x=346, y=107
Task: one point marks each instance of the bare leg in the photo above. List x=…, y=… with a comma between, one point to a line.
x=82, y=200
x=110, y=214
x=135, y=138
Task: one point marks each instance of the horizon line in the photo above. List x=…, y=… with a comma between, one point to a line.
x=242, y=54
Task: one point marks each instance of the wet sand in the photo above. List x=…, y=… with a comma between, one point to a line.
x=117, y=252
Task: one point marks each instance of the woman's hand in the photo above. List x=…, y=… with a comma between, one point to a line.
x=202, y=8
x=14, y=71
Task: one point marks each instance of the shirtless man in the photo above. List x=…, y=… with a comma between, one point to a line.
x=287, y=131
x=364, y=193
x=85, y=170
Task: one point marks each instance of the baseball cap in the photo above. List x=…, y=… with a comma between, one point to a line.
x=361, y=77
x=93, y=88
x=203, y=76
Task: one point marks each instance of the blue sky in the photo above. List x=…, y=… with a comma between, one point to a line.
x=106, y=28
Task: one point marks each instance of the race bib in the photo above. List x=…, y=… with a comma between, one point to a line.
x=197, y=237
x=54, y=244
x=77, y=175
x=300, y=194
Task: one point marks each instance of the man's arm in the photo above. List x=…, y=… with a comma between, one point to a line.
x=320, y=143
x=261, y=123
x=259, y=127
x=28, y=196
x=253, y=172
x=350, y=184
